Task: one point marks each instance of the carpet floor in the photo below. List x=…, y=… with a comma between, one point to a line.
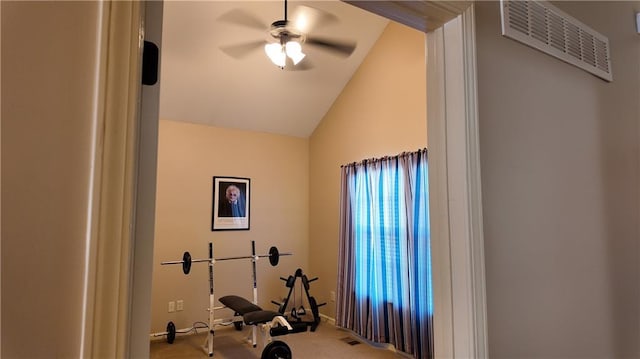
x=326, y=342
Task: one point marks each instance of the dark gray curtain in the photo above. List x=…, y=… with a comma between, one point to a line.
x=384, y=288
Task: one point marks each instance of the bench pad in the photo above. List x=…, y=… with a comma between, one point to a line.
x=239, y=304
x=259, y=317
x=251, y=313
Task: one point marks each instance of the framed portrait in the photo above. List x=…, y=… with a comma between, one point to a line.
x=231, y=203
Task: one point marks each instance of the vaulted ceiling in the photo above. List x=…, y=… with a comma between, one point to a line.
x=201, y=83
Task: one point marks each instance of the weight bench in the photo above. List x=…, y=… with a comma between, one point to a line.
x=271, y=323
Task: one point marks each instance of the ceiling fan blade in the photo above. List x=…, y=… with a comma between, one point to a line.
x=241, y=50
x=340, y=47
x=306, y=18
x=243, y=18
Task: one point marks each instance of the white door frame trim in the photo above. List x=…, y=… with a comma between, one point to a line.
x=455, y=191
x=456, y=222
x=108, y=267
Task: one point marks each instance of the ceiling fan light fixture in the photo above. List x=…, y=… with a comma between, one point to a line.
x=276, y=54
x=294, y=51
x=285, y=38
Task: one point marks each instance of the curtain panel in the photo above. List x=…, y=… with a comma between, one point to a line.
x=384, y=289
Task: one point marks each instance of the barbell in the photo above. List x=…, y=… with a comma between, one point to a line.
x=274, y=258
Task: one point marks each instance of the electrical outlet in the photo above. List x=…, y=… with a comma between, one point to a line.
x=172, y=306
x=332, y=295
x=179, y=305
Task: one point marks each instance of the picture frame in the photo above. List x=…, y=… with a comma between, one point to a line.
x=231, y=203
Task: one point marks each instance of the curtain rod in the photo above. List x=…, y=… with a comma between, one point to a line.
x=384, y=158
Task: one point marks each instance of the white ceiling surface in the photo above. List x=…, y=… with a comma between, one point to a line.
x=202, y=84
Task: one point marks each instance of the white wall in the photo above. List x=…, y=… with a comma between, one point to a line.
x=560, y=174
x=48, y=75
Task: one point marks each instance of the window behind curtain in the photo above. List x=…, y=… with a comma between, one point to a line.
x=384, y=285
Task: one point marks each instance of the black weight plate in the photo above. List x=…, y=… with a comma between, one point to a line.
x=314, y=307
x=276, y=350
x=238, y=325
x=171, y=332
x=274, y=256
x=291, y=281
x=186, y=262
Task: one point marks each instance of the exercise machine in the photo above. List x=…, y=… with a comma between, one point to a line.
x=245, y=312
x=271, y=324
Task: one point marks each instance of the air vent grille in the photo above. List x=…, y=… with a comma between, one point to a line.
x=544, y=27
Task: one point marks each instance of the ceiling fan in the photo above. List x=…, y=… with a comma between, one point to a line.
x=285, y=38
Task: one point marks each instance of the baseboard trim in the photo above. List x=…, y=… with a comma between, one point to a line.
x=328, y=319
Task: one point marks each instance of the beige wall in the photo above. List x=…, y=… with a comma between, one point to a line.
x=48, y=66
x=560, y=187
x=381, y=111
x=560, y=154
x=189, y=156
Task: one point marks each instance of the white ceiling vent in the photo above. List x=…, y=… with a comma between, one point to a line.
x=545, y=27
